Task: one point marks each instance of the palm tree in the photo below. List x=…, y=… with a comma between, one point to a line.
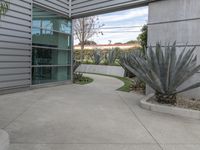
x=163, y=70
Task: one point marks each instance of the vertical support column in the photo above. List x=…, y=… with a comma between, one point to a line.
x=31, y=51
x=176, y=20
x=72, y=50
x=70, y=8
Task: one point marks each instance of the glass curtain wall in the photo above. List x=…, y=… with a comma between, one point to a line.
x=51, y=47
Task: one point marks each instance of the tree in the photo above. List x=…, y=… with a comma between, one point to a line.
x=85, y=28
x=89, y=43
x=142, y=38
x=118, y=43
x=132, y=42
x=3, y=7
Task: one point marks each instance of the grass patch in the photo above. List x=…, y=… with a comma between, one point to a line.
x=84, y=80
x=127, y=84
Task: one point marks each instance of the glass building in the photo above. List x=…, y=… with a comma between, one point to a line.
x=51, y=47
x=35, y=36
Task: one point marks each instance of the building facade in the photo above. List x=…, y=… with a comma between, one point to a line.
x=51, y=47
x=177, y=20
x=35, y=44
x=36, y=36
x=36, y=40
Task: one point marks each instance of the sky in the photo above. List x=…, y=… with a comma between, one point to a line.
x=128, y=18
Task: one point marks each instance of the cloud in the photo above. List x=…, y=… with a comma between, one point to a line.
x=115, y=37
x=124, y=15
x=132, y=17
x=135, y=27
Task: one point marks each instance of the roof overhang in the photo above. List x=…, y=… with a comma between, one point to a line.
x=85, y=8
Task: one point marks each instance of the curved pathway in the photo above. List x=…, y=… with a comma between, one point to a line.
x=91, y=117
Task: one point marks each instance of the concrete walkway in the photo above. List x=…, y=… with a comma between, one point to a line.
x=91, y=117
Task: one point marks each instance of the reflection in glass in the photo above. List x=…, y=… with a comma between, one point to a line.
x=51, y=53
x=51, y=39
x=50, y=74
x=43, y=56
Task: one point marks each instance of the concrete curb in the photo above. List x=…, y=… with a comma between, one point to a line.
x=169, y=110
x=4, y=140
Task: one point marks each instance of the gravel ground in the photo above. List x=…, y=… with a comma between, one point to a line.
x=182, y=103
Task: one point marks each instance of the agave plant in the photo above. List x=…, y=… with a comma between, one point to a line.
x=3, y=8
x=76, y=64
x=97, y=56
x=137, y=84
x=76, y=75
x=164, y=70
x=112, y=56
x=127, y=73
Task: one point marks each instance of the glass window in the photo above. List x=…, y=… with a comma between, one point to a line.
x=50, y=38
x=51, y=51
x=50, y=21
x=48, y=56
x=41, y=75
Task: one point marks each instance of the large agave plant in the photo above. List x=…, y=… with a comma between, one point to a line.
x=164, y=70
x=97, y=56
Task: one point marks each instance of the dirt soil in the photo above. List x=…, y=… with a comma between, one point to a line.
x=182, y=102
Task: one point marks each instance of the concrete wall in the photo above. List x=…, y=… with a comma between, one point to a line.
x=101, y=69
x=176, y=20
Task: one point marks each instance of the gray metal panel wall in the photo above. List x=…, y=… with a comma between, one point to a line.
x=82, y=8
x=60, y=6
x=16, y=41
x=15, y=45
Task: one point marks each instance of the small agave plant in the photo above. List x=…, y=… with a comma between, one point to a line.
x=163, y=69
x=97, y=56
x=112, y=56
x=76, y=75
